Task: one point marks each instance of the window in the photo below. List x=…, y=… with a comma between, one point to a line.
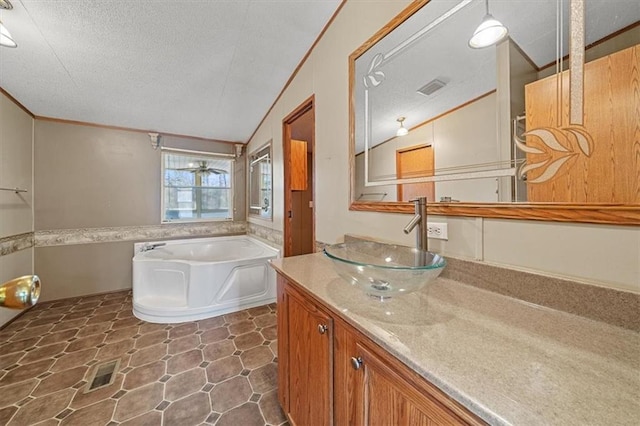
x=196, y=186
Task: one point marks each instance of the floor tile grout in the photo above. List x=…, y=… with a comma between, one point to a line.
x=241, y=342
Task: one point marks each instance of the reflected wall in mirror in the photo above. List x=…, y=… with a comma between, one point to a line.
x=501, y=131
x=260, y=188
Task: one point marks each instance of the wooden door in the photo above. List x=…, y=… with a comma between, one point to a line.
x=309, y=362
x=298, y=157
x=413, y=162
x=301, y=219
x=386, y=398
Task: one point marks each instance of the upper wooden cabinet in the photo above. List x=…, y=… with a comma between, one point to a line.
x=330, y=373
x=606, y=170
x=298, y=165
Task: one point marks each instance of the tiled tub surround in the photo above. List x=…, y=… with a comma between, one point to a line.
x=218, y=371
x=136, y=233
x=273, y=237
x=508, y=361
x=14, y=243
x=269, y=235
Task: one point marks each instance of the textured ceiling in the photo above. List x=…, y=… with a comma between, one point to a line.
x=201, y=68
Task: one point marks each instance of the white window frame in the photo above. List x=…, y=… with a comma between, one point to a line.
x=230, y=157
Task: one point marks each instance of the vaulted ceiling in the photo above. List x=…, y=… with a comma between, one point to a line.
x=202, y=68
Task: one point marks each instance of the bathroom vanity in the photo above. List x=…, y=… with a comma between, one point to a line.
x=328, y=370
x=450, y=354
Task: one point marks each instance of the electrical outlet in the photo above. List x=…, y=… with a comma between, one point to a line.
x=437, y=230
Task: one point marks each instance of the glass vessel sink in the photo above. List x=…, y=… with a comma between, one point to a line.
x=384, y=270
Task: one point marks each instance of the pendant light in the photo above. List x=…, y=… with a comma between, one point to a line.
x=402, y=131
x=489, y=32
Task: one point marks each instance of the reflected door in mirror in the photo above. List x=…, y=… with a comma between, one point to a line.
x=413, y=162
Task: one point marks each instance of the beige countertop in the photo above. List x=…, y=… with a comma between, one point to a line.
x=507, y=361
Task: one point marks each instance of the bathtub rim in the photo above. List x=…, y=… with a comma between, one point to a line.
x=139, y=255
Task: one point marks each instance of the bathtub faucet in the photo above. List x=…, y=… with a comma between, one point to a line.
x=149, y=246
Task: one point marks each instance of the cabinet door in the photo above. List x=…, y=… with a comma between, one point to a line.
x=386, y=398
x=298, y=165
x=309, y=363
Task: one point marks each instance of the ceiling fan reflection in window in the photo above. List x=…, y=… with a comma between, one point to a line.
x=203, y=169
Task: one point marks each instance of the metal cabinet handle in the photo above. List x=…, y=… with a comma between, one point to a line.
x=356, y=362
x=322, y=328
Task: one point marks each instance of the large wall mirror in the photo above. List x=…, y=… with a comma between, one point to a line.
x=540, y=125
x=260, y=183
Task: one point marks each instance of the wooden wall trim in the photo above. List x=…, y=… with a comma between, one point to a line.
x=412, y=8
x=15, y=101
x=129, y=129
x=594, y=44
x=434, y=119
x=613, y=214
x=300, y=64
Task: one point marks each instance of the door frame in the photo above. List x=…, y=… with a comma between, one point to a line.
x=304, y=107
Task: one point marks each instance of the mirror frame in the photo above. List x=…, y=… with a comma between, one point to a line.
x=602, y=213
x=268, y=145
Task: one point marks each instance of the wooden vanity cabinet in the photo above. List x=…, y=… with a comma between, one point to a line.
x=350, y=380
x=304, y=358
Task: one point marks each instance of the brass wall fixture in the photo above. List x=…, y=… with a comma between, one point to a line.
x=20, y=293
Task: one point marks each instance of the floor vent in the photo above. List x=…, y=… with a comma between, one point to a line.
x=103, y=375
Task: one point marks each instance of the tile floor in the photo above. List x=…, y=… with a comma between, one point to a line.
x=218, y=371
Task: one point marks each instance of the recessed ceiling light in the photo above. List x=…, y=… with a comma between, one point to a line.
x=6, y=4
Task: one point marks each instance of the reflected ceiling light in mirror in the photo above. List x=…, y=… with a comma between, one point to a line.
x=489, y=32
x=401, y=130
x=5, y=37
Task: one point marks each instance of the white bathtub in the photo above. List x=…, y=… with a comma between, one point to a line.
x=187, y=280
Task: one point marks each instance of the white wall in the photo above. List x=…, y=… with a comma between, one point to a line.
x=466, y=136
x=602, y=254
x=16, y=210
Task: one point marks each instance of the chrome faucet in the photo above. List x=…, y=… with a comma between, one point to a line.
x=419, y=220
x=149, y=246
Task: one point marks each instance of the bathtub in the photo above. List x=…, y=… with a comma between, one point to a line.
x=187, y=280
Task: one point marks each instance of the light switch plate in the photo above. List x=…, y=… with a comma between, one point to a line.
x=437, y=230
